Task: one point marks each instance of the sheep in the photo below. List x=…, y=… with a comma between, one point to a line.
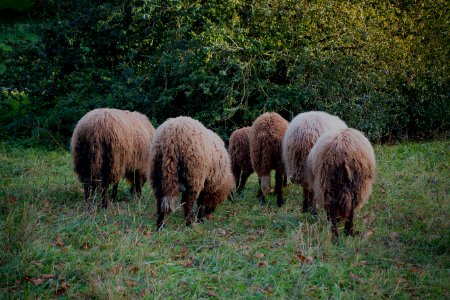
x=265, y=138
x=341, y=170
x=186, y=156
x=239, y=151
x=301, y=135
x=109, y=144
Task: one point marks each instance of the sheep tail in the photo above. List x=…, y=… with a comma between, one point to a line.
x=170, y=184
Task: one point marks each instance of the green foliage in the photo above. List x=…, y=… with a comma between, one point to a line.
x=53, y=244
x=382, y=66
x=18, y=5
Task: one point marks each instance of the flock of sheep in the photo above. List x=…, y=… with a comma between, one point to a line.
x=334, y=164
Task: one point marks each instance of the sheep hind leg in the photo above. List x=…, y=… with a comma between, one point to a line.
x=306, y=200
x=104, y=190
x=236, y=175
x=160, y=220
x=201, y=208
x=243, y=181
x=187, y=201
x=279, y=187
x=114, y=191
x=349, y=225
x=333, y=219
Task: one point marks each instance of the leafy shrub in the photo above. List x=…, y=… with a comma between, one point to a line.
x=380, y=65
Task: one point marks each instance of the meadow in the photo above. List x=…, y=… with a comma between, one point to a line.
x=53, y=244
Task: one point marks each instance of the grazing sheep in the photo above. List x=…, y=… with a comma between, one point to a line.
x=341, y=171
x=300, y=137
x=266, y=135
x=239, y=150
x=187, y=157
x=109, y=144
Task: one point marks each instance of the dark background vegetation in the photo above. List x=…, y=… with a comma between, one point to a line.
x=382, y=66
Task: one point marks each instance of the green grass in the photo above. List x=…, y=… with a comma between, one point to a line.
x=52, y=243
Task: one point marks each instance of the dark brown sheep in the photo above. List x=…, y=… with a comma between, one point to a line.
x=109, y=144
x=266, y=135
x=239, y=150
x=187, y=157
x=341, y=170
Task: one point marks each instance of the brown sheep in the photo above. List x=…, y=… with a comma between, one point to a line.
x=266, y=135
x=341, y=170
x=239, y=150
x=109, y=144
x=300, y=137
x=187, y=156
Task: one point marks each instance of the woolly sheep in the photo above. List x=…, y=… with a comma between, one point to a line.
x=300, y=137
x=239, y=150
x=341, y=171
x=265, y=138
x=187, y=157
x=109, y=144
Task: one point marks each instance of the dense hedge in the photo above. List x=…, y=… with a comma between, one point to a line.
x=382, y=66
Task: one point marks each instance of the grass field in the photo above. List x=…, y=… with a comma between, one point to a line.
x=53, y=244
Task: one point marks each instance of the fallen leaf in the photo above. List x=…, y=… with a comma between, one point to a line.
x=145, y=291
x=262, y=264
x=131, y=283
x=59, y=241
x=47, y=276
x=222, y=231
x=133, y=269
x=62, y=289
x=401, y=280
x=116, y=269
x=394, y=235
x=361, y=263
x=188, y=264
x=36, y=263
x=212, y=294
x=367, y=234
x=259, y=255
x=310, y=259
x=209, y=216
x=268, y=290
x=37, y=281
x=301, y=257
x=354, y=276
x=417, y=270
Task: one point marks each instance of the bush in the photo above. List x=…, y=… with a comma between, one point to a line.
x=379, y=65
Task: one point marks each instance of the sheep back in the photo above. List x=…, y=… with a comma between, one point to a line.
x=108, y=143
x=301, y=135
x=265, y=136
x=342, y=163
x=239, y=150
x=185, y=153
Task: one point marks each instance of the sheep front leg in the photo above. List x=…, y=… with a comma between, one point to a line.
x=260, y=195
x=114, y=191
x=279, y=187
